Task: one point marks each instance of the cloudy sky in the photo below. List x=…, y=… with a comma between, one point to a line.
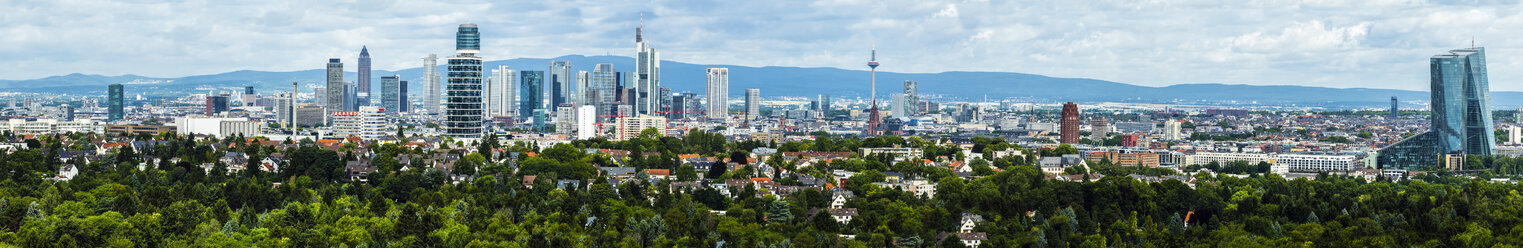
x=1360, y=43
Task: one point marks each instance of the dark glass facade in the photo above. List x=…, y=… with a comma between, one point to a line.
x=115, y=98
x=1461, y=121
x=531, y=91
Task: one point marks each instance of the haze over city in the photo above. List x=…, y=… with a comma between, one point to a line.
x=1337, y=44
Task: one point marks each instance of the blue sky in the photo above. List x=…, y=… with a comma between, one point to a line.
x=1368, y=43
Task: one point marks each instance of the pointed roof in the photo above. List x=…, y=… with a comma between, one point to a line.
x=364, y=51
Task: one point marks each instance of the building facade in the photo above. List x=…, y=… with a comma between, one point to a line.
x=647, y=77
x=392, y=95
x=369, y=123
x=115, y=99
x=1069, y=124
x=463, y=114
x=1461, y=122
x=911, y=98
x=530, y=94
x=719, y=92
x=362, y=94
x=630, y=127
x=753, y=104
x=431, y=90
x=335, y=86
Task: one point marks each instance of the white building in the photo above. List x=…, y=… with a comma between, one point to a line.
x=503, y=92
x=753, y=103
x=51, y=126
x=369, y=123
x=1223, y=158
x=217, y=127
x=1171, y=130
x=586, y=120
x=630, y=127
x=1312, y=162
x=719, y=93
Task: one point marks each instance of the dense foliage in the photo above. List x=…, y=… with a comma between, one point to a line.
x=115, y=203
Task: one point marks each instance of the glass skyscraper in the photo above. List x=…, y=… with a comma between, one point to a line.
x=391, y=94
x=531, y=92
x=463, y=108
x=114, y=103
x=1461, y=121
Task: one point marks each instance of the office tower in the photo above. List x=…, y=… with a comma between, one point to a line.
x=872, y=117
x=896, y=105
x=406, y=102
x=368, y=123
x=604, y=88
x=1394, y=111
x=431, y=90
x=565, y=120
x=335, y=86
x=504, y=92
x=1098, y=128
x=1461, y=114
x=1069, y=128
x=648, y=76
x=1517, y=116
x=309, y=115
x=363, y=93
x=463, y=114
x=583, y=84
x=560, y=80
x=114, y=102
x=1171, y=130
x=291, y=108
x=666, y=99
x=320, y=96
x=530, y=93
x=753, y=104
x=911, y=98
x=283, y=108
x=67, y=112
x=249, y=97
x=351, y=96
x=824, y=104
x=391, y=94
x=216, y=104
x=541, y=120
x=684, y=105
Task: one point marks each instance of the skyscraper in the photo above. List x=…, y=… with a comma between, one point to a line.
x=351, y=99
x=503, y=91
x=824, y=104
x=1098, y=128
x=1394, y=111
x=363, y=93
x=911, y=98
x=114, y=103
x=1069, y=126
x=1171, y=130
x=719, y=93
x=579, y=94
x=560, y=80
x=604, y=88
x=431, y=84
x=391, y=94
x=216, y=104
x=648, y=76
x=463, y=113
x=1461, y=114
x=335, y=87
x=753, y=103
x=531, y=92
x=249, y=98
x=404, y=104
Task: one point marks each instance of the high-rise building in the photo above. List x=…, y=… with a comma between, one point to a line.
x=351, y=99
x=431, y=90
x=391, y=94
x=824, y=104
x=363, y=93
x=896, y=106
x=463, y=114
x=1171, y=130
x=335, y=86
x=115, y=98
x=249, y=97
x=666, y=99
x=503, y=92
x=1461, y=114
x=405, y=104
x=1098, y=128
x=283, y=109
x=911, y=98
x=1069, y=128
x=368, y=123
x=1514, y=134
x=560, y=79
x=753, y=103
x=310, y=115
x=531, y=92
x=66, y=112
x=586, y=118
x=216, y=104
x=583, y=83
x=1395, y=113
x=685, y=105
x=604, y=88
x=648, y=76
x=719, y=92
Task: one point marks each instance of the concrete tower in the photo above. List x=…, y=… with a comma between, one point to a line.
x=872, y=117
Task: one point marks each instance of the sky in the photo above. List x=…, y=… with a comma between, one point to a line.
x=1328, y=43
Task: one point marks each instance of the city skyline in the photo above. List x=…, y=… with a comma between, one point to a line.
x=1243, y=43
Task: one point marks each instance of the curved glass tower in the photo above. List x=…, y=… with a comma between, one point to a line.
x=463, y=109
x=1461, y=121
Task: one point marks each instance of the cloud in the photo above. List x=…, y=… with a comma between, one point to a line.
x=1377, y=44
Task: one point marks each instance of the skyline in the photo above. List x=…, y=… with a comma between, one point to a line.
x=1369, y=45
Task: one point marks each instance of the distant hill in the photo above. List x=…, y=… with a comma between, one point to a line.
x=797, y=81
